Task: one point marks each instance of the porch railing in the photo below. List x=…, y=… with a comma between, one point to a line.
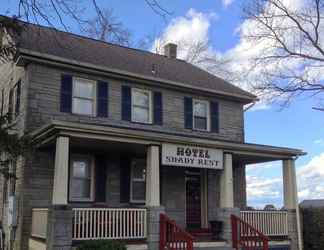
x=39, y=222
x=270, y=223
x=108, y=223
x=172, y=237
x=246, y=237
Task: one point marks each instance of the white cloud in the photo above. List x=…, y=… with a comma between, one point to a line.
x=227, y=3
x=262, y=190
x=311, y=179
x=236, y=63
x=185, y=31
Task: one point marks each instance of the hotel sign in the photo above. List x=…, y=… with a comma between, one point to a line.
x=192, y=157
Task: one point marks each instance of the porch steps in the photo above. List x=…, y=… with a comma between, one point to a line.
x=212, y=245
x=197, y=246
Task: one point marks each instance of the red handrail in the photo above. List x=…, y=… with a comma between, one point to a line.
x=246, y=237
x=172, y=237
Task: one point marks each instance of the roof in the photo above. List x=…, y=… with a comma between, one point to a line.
x=312, y=203
x=49, y=41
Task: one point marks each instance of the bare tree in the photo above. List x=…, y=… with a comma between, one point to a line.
x=107, y=27
x=291, y=58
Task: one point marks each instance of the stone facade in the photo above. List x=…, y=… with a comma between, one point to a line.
x=44, y=106
x=40, y=104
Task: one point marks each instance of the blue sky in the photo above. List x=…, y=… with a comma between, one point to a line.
x=296, y=126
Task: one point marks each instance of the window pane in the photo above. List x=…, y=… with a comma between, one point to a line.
x=81, y=188
x=139, y=170
x=81, y=106
x=138, y=191
x=140, y=114
x=200, y=109
x=83, y=88
x=141, y=99
x=200, y=123
x=81, y=169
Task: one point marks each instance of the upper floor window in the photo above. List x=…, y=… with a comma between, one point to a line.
x=138, y=176
x=141, y=106
x=81, y=178
x=84, y=97
x=201, y=117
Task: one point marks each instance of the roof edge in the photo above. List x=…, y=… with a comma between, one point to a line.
x=246, y=99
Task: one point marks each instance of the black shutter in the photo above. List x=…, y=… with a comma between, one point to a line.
x=102, y=99
x=214, y=116
x=17, y=108
x=125, y=179
x=188, y=112
x=126, y=103
x=158, y=110
x=101, y=178
x=66, y=93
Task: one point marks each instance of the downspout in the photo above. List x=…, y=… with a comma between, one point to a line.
x=298, y=218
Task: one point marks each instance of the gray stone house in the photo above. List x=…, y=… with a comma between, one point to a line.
x=122, y=136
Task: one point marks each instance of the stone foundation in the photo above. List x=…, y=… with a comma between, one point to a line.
x=153, y=227
x=224, y=215
x=59, y=229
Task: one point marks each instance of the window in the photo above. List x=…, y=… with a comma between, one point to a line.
x=141, y=106
x=138, y=177
x=201, y=115
x=81, y=183
x=84, y=97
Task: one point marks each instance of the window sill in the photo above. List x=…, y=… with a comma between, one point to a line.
x=142, y=123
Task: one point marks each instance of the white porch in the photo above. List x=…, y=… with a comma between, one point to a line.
x=133, y=223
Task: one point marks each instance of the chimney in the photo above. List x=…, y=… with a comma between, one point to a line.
x=170, y=50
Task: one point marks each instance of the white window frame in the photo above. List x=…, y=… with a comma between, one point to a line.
x=194, y=101
x=89, y=158
x=132, y=179
x=150, y=115
x=93, y=99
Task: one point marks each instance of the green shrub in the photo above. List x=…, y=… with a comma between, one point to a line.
x=102, y=245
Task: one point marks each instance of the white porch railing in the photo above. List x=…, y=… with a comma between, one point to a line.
x=39, y=222
x=108, y=223
x=270, y=223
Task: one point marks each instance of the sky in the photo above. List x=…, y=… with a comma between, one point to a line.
x=220, y=22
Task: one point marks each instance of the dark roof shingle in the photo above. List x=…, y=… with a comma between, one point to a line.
x=74, y=47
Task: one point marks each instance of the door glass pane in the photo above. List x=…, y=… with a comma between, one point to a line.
x=200, y=109
x=140, y=114
x=140, y=98
x=81, y=106
x=84, y=89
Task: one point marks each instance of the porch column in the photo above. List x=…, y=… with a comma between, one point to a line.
x=227, y=198
x=153, y=197
x=291, y=203
x=226, y=183
x=61, y=171
x=153, y=176
x=289, y=184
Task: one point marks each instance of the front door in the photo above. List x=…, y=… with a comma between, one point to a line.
x=193, y=200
